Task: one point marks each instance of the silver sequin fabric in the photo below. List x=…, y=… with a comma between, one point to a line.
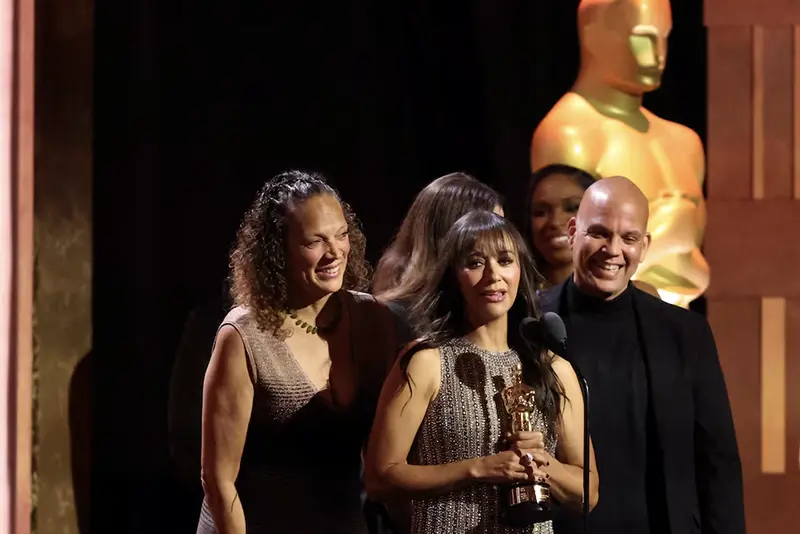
x=467, y=420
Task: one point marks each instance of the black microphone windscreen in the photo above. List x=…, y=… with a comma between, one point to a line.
x=554, y=332
x=530, y=330
x=554, y=326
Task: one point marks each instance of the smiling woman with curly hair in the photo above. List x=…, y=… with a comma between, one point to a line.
x=259, y=258
x=296, y=370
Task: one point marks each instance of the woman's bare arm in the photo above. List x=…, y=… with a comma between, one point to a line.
x=401, y=409
x=227, y=404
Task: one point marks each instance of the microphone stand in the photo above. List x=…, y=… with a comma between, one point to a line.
x=585, y=500
x=553, y=339
x=584, y=385
x=561, y=345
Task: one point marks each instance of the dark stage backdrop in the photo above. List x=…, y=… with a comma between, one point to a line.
x=198, y=103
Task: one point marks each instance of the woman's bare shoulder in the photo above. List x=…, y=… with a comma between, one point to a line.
x=562, y=368
x=425, y=356
x=423, y=368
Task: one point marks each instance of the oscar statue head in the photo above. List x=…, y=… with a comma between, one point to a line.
x=624, y=42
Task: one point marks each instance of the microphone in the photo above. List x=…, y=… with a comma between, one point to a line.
x=550, y=332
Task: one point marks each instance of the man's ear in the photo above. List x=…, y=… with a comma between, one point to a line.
x=572, y=229
x=645, y=246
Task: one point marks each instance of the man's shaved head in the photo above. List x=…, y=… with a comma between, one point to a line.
x=614, y=190
x=609, y=236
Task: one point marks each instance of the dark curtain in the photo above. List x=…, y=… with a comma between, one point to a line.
x=196, y=104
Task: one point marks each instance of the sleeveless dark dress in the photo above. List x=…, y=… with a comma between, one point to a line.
x=301, y=467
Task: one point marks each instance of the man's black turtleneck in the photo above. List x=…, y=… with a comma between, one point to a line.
x=604, y=343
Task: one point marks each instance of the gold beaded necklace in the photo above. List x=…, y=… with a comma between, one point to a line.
x=314, y=329
x=311, y=329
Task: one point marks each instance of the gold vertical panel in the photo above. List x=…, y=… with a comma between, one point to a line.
x=796, y=111
x=758, y=112
x=773, y=385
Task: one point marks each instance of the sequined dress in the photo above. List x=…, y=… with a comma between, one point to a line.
x=466, y=420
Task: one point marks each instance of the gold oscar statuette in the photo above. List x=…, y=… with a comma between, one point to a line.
x=527, y=502
x=601, y=126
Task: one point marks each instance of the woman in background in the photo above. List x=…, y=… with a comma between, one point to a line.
x=408, y=261
x=554, y=194
x=437, y=437
x=296, y=369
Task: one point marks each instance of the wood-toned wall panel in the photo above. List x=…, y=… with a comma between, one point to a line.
x=729, y=139
x=22, y=349
x=737, y=330
x=63, y=236
x=773, y=385
x=777, y=70
x=793, y=387
x=753, y=248
x=751, y=12
x=770, y=503
x=751, y=241
x=796, y=112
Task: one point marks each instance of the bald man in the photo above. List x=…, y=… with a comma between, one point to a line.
x=660, y=419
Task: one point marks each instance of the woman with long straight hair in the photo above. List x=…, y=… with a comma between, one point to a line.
x=406, y=265
x=438, y=437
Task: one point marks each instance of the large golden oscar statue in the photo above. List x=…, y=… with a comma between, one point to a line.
x=601, y=127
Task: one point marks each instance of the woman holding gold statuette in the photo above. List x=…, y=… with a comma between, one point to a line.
x=440, y=433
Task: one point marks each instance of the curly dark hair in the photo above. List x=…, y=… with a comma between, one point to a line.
x=439, y=313
x=258, y=259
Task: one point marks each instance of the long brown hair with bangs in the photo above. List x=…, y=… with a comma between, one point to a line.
x=407, y=262
x=439, y=310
